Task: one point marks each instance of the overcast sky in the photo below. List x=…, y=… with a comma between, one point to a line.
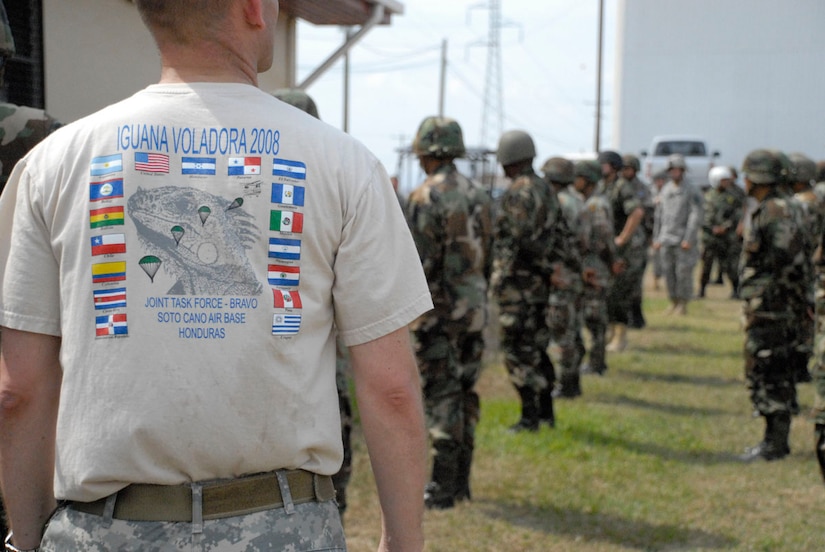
x=548, y=55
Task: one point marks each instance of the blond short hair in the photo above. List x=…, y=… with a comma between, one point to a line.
x=182, y=21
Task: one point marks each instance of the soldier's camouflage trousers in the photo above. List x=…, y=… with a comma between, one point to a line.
x=312, y=526
x=768, y=371
x=564, y=323
x=626, y=286
x=342, y=374
x=524, y=340
x=596, y=320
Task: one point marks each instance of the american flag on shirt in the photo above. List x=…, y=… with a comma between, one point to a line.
x=151, y=162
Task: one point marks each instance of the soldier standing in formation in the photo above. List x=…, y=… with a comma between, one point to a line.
x=450, y=220
x=599, y=261
x=531, y=244
x=564, y=305
x=678, y=218
x=774, y=285
x=722, y=214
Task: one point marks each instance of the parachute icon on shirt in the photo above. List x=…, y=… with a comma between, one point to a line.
x=177, y=233
x=238, y=202
x=204, y=213
x=150, y=265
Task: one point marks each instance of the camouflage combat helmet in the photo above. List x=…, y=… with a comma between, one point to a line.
x=558, y=169
x=763, y=167
x=611, y=158
x=785, y=163
x=803, y=168
x=515, y=146
x=676, y=161
x=439, y=137
x=297, y=98
x=631, y=161
x=588, y=169
x=6, y=38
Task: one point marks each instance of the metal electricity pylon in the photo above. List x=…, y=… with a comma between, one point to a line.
x=492, y=114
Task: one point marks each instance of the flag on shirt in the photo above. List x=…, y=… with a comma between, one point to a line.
x=290, y=169
x=286, y=324
x=286, y=221
x=108, y=244
x=108, y=189
x=111, y=324
x=108, y=272
x=286, y=299
x=287, y=194
x=244, y=165
x=107, y=216
x=151, y=162
x=110, y=298
x=198, y=165
x=285, y=249
x=284, y=276
x=106, y=164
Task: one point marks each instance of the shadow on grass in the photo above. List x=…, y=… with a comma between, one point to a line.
x=667, y=408
x=713, y=381
x=681, y=348
x=606, y=528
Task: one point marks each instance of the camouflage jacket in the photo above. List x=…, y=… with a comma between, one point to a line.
x=21, y=128
x=451, y=223
x=722, y=208
x=775, y=266
x=532, y=241
x=625, y=196
x=596, y=243
x=814, y=215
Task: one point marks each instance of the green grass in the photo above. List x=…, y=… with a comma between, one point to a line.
x=645, y=460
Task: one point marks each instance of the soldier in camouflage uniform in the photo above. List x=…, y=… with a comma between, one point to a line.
x=565, y=305
x=531, y=248
x=21, y=128
x=775, y=272
x=627, y=204
x=635, y=251
x=801, y=181
x=599, y=260
x=722, y=214
x=450, y=219
x=303, y=101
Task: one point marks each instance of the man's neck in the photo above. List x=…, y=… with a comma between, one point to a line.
x=207, y=63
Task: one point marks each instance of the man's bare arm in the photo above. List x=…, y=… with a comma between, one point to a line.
x=388, y=390
x=30, y=379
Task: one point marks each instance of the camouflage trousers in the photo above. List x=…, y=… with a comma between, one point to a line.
x=450, y=363
x=340, y=479
x=564, y=323
x=726, y=252
x=818, y=370
x=678, y=265
x=596, y=320
x=626, y=286
x=770, y=376
x=312, y=526
x=524, y=341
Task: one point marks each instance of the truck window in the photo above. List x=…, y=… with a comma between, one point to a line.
x=688, y=148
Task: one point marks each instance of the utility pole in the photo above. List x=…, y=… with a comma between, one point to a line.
x=348, y=33
x=443, y=82
x=597, y=139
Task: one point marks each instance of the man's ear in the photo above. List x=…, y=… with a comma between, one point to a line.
x=254, y=13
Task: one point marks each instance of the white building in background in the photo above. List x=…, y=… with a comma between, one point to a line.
x=744, y=74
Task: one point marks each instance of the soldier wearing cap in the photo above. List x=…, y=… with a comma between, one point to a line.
x=532, y=253
x=774, y=283
x=599, y=260
x=564, y=305
x=21, y=127
x=450, y=219
x=678, y=219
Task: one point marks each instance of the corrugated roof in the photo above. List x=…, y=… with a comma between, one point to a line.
x=337, y=12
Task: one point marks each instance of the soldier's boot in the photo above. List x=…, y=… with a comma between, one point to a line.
x=775, y=444
x=439, y=494
x=819, y=447
x=569, y=388
x=681, y=307
x=799, y=364
x=702, y=290
x=734, y=294
x=619, y=341
x=637, y=317
x=529, y=420
x=546, y=413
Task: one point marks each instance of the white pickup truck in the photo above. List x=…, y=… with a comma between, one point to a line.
x=698, y=157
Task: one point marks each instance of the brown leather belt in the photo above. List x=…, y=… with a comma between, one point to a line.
x=221, y=498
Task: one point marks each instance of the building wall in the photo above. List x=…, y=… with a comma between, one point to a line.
x=743, y=73
x=98, y=52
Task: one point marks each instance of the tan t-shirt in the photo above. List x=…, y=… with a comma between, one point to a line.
x=194, y=246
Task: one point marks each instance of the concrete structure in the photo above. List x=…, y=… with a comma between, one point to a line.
x=96, y=52
x=742, y=73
